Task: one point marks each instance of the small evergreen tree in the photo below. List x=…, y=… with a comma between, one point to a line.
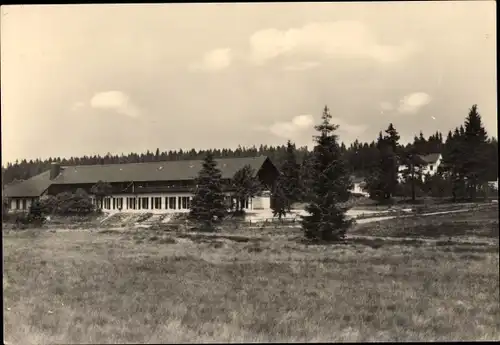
x=245, y=185
x=281, y=204
x=331, y=186
x=208, y=206
x=412, y=173
x=36, y=213
x=101, y=190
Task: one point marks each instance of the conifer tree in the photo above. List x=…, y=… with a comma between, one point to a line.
x=383, y=178
x=412, y=172
x=281, y=204
x=246, y=186
x=476, y=156
x=291, y=175
x=331, y=186
x=207, y=206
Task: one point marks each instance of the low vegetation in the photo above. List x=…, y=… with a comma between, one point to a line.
x=479, y=222
x=147, y=286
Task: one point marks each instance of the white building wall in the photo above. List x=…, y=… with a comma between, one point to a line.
x=181, y=206
x=430, y=169
x=261, y=203
x=357, y=188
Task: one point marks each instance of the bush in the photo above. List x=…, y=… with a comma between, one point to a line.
x=5, y=213
x=66, y=204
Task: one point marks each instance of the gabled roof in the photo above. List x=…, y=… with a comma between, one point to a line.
x=32, y=187
x=138, y=172
x=430, y=158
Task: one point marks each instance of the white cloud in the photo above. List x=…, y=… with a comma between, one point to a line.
x=214, y=60
x=290, y=129
x=295, y=128
x=115, y=100
x=340, y=39
x=413, y=102
x=301, y=66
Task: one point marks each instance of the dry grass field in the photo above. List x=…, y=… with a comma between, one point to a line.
x=147, y=286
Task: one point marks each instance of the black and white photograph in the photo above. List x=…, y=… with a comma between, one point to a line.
x=249, y=172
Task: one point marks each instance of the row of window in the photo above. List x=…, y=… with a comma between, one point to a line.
x=151, y=203
x=148, y=203
x=21, y=204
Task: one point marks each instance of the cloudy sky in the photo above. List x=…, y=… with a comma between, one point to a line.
x=88, y=79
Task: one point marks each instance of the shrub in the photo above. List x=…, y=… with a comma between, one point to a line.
x=66, y=204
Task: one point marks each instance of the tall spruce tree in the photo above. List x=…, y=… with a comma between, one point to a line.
x=207, y=206
x=391, y=160
x=476, y=155
x=291, y=175
x=331, y=186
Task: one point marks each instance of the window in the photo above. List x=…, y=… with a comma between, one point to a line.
x=157, y=203
x=24, y=204
x=145, y=203
x=172, y=202
x=185, y=202
x=18, y=205
x=114, y=203
x=107, y=204
x=431, y=167
x=131, y=203
x=119, y=203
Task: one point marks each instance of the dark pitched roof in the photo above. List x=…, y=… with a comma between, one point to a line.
x=32, y=187
x=151, y=171
x=430, y=158
x=138, y=172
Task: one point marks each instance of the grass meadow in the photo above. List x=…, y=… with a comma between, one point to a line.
x=418, y=278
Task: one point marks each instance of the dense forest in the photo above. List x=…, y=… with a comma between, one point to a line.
x=361, y=157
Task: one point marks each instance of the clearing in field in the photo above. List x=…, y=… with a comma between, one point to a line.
x=146, y=286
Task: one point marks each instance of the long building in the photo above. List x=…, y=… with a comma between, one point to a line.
x=138, y=187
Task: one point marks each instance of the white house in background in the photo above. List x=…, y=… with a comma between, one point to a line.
x=431, y=164
x=142, y=187
x=358, y=185
x=493, y=184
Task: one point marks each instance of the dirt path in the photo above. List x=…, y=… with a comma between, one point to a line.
x=379, y=219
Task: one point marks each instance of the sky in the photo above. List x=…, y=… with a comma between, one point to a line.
x=91, y=79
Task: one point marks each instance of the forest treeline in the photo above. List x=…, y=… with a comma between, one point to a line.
x=360, y=157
